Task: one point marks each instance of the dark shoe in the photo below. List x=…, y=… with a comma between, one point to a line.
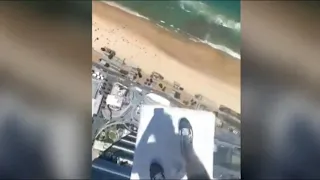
x=186, y=134
x=156, y=171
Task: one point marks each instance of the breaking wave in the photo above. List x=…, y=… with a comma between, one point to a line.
x=202, y=9
x=126, y=9
x=183, y=8
x=217, y=46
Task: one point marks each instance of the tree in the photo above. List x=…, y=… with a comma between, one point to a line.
x=160, y=85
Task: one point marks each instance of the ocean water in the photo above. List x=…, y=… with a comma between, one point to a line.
x=216, y=23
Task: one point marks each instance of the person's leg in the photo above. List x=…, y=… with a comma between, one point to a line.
x=186, y=138
x=194, y=168
x=156, y=171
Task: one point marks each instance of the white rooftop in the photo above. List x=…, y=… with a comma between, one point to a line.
x=96, y=104
x=158, y=99
x=100, y=145
x=114, y=100
x=138, y=89
x=158, y=139
x=116, y=89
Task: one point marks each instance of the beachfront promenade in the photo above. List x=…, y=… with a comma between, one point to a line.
x=157, y=82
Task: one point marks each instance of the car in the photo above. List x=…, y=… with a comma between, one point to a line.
x=134, y=128
x=235, y=132
x=219, y=123
x=138, y=110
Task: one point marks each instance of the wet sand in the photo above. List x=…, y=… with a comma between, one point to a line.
x=197, y=67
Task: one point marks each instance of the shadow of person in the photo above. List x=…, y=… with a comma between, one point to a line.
x=22, y=155
x=302, y=158
x=160, y=143
x=195, y=168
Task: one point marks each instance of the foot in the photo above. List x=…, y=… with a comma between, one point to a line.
x=156, y=171
x=186, y=134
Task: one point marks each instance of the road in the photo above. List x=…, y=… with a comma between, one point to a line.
x=114, y=76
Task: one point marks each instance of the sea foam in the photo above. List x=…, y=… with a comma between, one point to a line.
x=204, y=10
x=126, y=9
x=193, y=4
x=217, y=46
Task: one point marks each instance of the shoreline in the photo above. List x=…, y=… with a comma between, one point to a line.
x=197, y=67
x=186, y=35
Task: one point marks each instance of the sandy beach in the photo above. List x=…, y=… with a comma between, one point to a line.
x=197, y=67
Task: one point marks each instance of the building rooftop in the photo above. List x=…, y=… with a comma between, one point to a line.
x=114, y=101
x=157, y=99
x=96, y=104
x=116, y=96
x=95, y=87
x=96, y=96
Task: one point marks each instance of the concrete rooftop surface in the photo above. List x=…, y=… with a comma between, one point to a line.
x=158, y=139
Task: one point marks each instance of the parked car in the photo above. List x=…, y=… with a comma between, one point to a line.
x=219, y=123
x=235, y=132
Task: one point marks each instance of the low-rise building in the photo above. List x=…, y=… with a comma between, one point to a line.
x=117, y=96
x=96, y=96
x=96, y=104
